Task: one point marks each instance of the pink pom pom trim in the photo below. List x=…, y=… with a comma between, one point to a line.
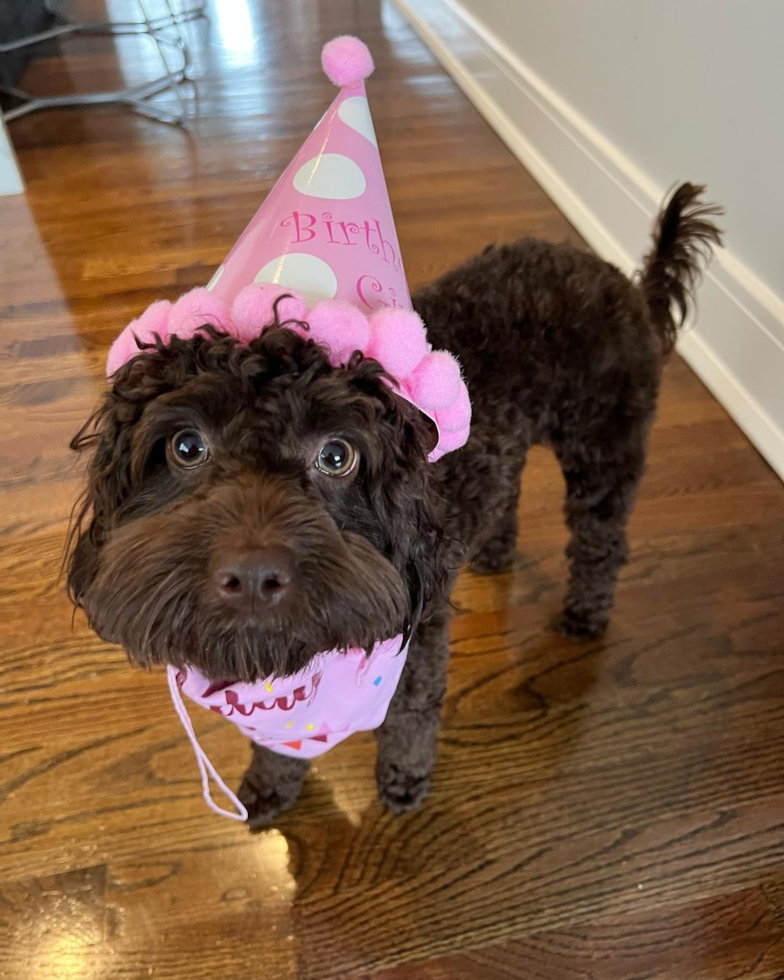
x=449, y=442
x=453, y=440
x=346, y=60
x=341, y=327
x=194, y=310
x=458, y=416
x=154, y=320
x=253, y=309
x=435, y=384
x=396, y=338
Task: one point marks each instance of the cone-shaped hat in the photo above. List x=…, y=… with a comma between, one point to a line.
x=326, y=228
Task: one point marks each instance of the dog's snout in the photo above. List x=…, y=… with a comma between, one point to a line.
x=254, y=578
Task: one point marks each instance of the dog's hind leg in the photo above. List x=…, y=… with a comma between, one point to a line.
x=601, y=483
x=271, y=784
x=408, y=738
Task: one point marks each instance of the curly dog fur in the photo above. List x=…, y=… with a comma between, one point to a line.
x=558, y=348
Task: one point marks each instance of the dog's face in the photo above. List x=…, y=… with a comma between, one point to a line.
x=251, y=506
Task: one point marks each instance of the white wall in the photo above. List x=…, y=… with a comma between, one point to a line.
x=608, y=103
x=688, y=89
x=10, y=177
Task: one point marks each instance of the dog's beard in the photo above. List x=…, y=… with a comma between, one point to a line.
x=151, y=595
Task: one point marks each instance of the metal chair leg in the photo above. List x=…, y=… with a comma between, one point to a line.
x=164, y=30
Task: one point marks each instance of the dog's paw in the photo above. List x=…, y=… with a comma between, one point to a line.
x=400, y=791
x=265, y=801
x=580, y=627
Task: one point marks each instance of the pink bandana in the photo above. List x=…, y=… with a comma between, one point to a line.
x=302, y=715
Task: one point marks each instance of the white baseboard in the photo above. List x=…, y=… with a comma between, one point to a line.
x=10, y=175
x=737, y=347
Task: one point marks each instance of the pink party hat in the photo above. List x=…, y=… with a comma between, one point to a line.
x=325, y=236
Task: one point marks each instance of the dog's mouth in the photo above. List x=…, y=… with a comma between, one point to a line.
x=153, y=599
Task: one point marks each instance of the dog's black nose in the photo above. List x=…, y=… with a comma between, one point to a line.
x=260, y=577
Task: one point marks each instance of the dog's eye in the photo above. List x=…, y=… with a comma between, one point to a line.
x=337, y=458
x=188, y=448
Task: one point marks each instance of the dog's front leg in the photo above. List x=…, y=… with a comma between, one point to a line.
x=408, y=739
x=271, y=785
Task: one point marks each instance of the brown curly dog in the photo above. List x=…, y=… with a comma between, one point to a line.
x=557, y=347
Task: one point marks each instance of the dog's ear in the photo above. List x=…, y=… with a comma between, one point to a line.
x=427, y=567
x=421, y=551
x=428, y=430
x=107, y=437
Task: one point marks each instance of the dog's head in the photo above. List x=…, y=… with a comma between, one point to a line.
x=251, y=506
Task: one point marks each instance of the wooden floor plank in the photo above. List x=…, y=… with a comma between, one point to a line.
x=730, y=935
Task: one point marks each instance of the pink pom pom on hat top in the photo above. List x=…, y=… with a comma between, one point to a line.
x=325, y=238
x=346, y=60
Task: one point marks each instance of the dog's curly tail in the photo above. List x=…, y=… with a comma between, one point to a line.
x=683, y=242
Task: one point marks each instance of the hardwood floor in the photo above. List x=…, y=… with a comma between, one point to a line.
x=612, y=811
